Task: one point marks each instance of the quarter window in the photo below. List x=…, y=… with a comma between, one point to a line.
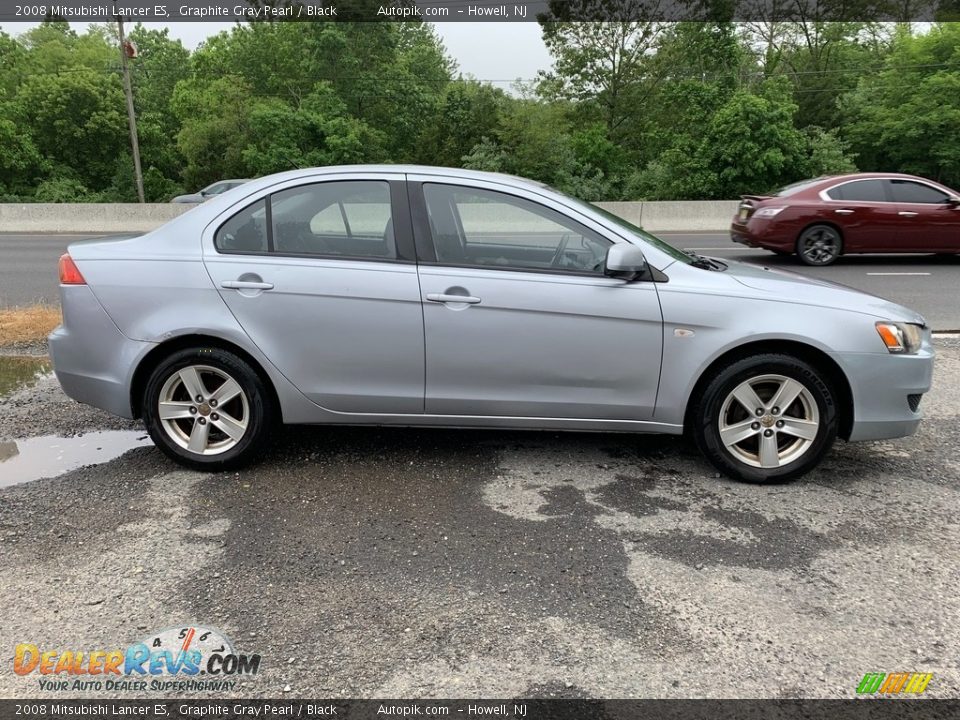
x=907, y=191
x=861, y=190
x=471, y=226
x=245, y=232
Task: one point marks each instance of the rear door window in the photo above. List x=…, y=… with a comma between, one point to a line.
x=861, y=191
x=337, y=219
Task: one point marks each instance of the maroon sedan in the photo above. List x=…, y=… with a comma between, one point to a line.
x=824, y=218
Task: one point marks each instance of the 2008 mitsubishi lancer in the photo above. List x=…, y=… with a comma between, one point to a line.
x=402, y=295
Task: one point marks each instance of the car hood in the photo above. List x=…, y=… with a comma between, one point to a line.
x=804, y=290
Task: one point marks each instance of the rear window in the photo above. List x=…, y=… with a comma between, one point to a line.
x=796, y=187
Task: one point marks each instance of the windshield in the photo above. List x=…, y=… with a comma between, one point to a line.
x=669, y=249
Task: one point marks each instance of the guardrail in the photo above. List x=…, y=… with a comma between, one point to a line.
x=677, y=216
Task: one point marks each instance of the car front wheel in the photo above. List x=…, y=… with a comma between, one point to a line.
x=768, y=418
x=207, y=409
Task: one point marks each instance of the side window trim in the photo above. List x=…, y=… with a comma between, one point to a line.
x=426, y=249
x=399, y=213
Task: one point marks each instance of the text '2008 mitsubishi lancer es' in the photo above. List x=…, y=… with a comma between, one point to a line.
x=417, y=296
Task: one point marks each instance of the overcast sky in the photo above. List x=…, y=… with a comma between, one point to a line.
x=497, y=52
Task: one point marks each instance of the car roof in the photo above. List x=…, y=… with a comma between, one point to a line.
x=407, y=169
x=874, y=176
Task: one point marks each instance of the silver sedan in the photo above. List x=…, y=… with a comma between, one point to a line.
x=392, y=295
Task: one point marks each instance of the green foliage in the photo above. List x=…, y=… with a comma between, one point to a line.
x=828, y=153
x=629, y=110
x=907, y=116
x=64, y=190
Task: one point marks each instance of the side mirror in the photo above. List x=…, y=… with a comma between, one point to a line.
x=624, y=261
x=953, y=202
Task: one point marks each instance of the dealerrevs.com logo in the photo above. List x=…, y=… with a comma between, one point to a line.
x=197, y=658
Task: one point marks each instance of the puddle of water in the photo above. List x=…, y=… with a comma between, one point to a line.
x=49, y=455
x=18, y=372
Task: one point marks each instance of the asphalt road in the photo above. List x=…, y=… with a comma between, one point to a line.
x=425, y=563
x=28, y=272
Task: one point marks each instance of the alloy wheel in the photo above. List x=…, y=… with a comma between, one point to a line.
x=203, y=410
x=820, y=246
x=769, y=421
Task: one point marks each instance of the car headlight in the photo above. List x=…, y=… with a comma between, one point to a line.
x=901, y=338
x=768, y=212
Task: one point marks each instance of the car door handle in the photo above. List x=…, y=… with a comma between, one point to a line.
x=907, y=213
x=246, y=285
x=843, y=211
x=443, y=298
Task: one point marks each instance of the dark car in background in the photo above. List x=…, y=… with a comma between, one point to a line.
x=217, y=188
x=824, y=218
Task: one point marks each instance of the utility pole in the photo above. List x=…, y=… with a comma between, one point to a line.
x=131, y=116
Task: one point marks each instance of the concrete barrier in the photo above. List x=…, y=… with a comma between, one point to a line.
x=692, y=216
x=679, y=216
x=87, y=217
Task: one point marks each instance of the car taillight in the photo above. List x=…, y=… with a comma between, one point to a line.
x=69, y=272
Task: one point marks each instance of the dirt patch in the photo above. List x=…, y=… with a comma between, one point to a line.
x=27, y=326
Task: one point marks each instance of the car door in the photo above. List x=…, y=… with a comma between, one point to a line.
x=321, y=274
x=929, y=222
x=865, y=213
x=519, y=319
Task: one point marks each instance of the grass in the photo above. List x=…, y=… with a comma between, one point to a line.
x=27, y=324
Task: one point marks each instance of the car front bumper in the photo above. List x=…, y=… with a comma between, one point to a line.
x=882, y=386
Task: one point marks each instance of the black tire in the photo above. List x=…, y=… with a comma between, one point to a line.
x=712, y=406
x=252, y=409
x=819, y=245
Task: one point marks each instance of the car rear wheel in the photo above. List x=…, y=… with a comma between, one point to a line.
x=768, y=418
x=207, y=409
x=819, y=245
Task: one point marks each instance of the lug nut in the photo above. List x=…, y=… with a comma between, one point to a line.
x=775, y=411
x=199, y=398
x=755, y=426
x=214, y=416
x=779, y=423
x=759, y=412
x=203, y=421
x=213, y=403
x=193, y=410
x=767, y=433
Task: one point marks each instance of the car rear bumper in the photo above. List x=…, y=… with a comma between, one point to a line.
x=92, y=359
x=761, y=234
x=882, y=387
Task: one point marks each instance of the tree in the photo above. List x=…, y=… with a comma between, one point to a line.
x=77, y=120
x=604, y=65
x=467, y=111
x=906, y=117
x=215, y=128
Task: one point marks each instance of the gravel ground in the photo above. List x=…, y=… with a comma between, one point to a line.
x=411, y=563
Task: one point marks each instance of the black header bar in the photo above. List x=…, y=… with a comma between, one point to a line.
x=48, y=708
x=150, y=11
